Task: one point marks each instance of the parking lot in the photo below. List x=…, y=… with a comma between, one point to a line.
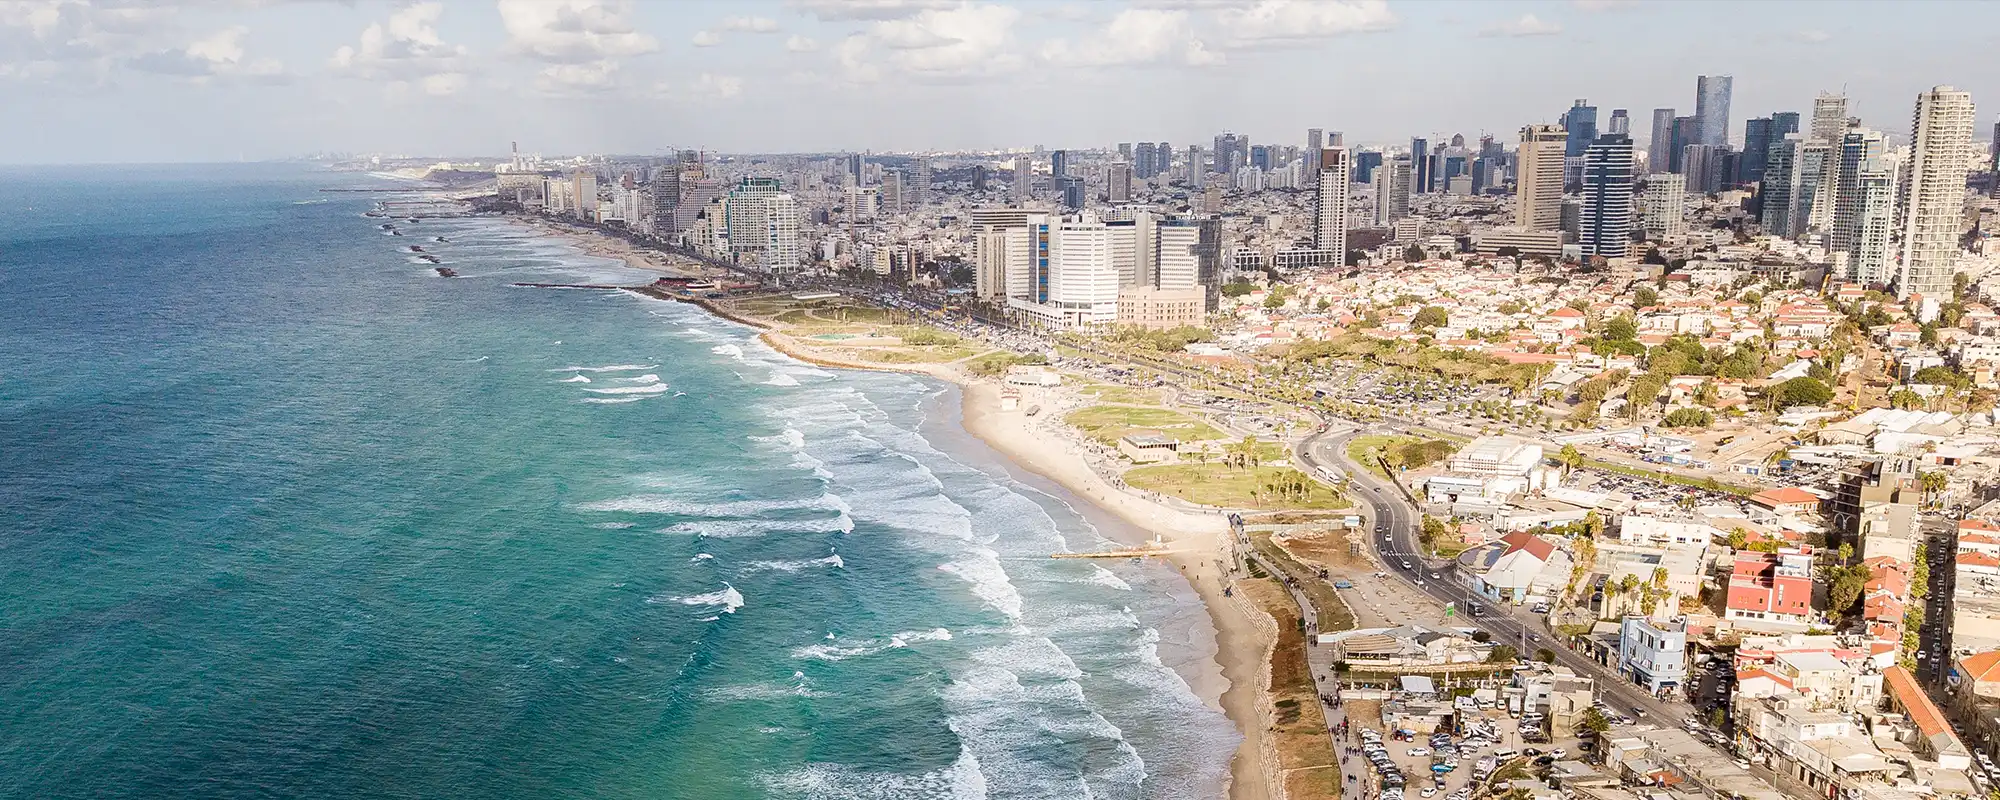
x=1450, y=765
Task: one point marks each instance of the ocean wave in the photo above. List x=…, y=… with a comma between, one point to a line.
x=841, y=649
x=745, y=528
x=790, y=437
x=960, y=781
x=728, y=350
x=781, y=379
x=727, y=597
x=610, y=401
x=611, y=368
x=652, y=388
x=612, y=526
x=646, y=378
x=795, y=566
x=574, y=379
x=701, y=557
x=660, y=504
x=1104, y=577
x=765, y=691
x=989, y=581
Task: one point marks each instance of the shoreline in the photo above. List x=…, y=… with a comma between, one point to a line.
x=1197, y=542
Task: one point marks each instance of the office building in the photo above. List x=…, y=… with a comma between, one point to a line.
x=1666, y=205
x=1711, y=109
x=990, y=227
x=894, y=198
x=1027, y=257
x=1857, y=146
x=1058, y=164
x=1941, y=157
x=583, y=194
x=1620, y=124
x=1392, y=191
x=1194, y=169
x=1792, y=179
x=1024, y=176
x=1580, y=121
x=855, y=169
x=666, y=200
x=1756, y=150
x=1330, y=201
x=917, y=189
x=1686, y=131
x=1604, y=223
x=1071, y=190
x=1142, y=161
x=1539, y=177
x=1118, y=183
x=1420, y=165
x=1231, y=151
x=1125, y=152
x=1703, y=167
x=1365, y=163
x=1660, y=149
x=1315, y=141
x=1829, y=119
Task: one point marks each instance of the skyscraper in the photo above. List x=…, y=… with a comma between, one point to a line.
x=1058, y=164
x=1024, y=176
x=1581, y=123
x=1118, y=183
x=1231, y=151
x=1620, y=123
x=1392, y=191
x=1687, y=131
x=1792, y=178
x=1660, y=149
x=1829, y=119
x=1864, y=203
x=1539, y=177
x=1142, y=161
x=1315, y=141
x=1857, y=146
x=1702, y=165
x=1666, y=205
x=1420, y=165
x=1071, y=189
x=1330, y=202
x=918, y=190
x=1125, y=151
x=1942, y=155
x=1756, y=149
x=854, y=168
x=1604, y=227
x=1711, y=109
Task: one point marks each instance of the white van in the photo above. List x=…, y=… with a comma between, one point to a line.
x=1505, y=753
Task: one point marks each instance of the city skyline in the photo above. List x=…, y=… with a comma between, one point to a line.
x=223, y=81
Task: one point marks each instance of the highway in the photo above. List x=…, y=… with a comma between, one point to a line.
x=1527, y=632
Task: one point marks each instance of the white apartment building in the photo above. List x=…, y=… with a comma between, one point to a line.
x=1666, y=206
x=1932, y=221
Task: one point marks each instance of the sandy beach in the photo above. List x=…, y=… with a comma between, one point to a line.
x=1196, y=542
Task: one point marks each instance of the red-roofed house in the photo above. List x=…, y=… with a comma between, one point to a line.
x=1789, y=500
x=1772, y=590
x=1522, y=565
x=1938, y=740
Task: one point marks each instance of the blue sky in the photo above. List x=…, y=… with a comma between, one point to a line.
x=210, y=80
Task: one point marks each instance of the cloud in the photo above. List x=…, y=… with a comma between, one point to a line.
x=1527, y=25
x=220, y=54
x=705, y=88
x=750, y=24
x=53, y=38
x=847, y=10
x=1136, y=36
x=1812, y=36
x=572, y=31
x=706, y=38
x=800, y=44
x=969, y=40
x=1277, y=21
x=406, y=49
x=570, y=79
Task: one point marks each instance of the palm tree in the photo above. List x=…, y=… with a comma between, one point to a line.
x=1933, y=484
x=1570, y=458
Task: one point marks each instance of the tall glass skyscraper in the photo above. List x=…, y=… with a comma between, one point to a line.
x=1711, y=109
x=1756, y=148
x=1605, y=224
x=1420, y=165
x=1580, y=121
x=1660, y=149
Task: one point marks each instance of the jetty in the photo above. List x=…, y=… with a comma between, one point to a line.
x=1155, y=547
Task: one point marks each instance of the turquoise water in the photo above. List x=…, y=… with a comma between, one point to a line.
x=284, y=514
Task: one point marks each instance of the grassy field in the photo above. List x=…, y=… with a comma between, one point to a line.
x=1333, y=613
x=1110, y=423
x=1232, y=487
x=933, y=354
x=1122, y=394
x=1362, y=450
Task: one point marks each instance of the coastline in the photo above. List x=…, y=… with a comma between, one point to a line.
x=1197, y=542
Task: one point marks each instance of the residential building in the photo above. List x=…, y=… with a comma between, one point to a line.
x=1118, y=180
x=1519, y=567
x=1933, y=215
x=1878, y=500
x=1771, y=590
x=1330, y=201
x=1392, y=191
x=1539, y=178
x=1829, y=117
x=1160, y=309
x=1024, y=176
x=1666, y=206
x=1605, y=225
x=1653, y=655
x=1792, y=180
x=1711, y=109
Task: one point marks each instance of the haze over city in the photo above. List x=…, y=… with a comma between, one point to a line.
x=219, y=81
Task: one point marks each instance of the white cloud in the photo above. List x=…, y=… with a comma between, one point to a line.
x=568, y=79
x=1812, y=36
x=969, y=40
x=750, y=24
x=220, y=54
x=800, y=44
x=572, y=31
x=406, y=49
x=1271, y=21
x=1136, y=36
x=866, y=9
x=1526, y=25
x=705, y=88
x=706, y=38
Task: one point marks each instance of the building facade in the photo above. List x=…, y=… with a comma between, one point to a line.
x=1933, y=214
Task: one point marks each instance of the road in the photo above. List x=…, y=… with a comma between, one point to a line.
x=1528, y=632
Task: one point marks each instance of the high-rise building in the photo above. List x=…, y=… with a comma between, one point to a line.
x=1792, y=177
x=1118, y=182
x=1194, y=169
x=1392, y=191
x=1420, y=165
x=1702, y=165
x=1856, y=147
x=583, y=194
x=666, y=200
x=1365, y=162
x=1711, y=109
x=1539, y=177
x=895, y=192
x=1058, y=164
x=1142, y=161
x=991, y=230
x=1024, y=176
x=1330, y=201
x=1829, y=119
x=1260, y=156
x=1231, y=151
x=1315, y=141
x=1941, y=157
x=1996, y=159
x=1163, y=159
x=1666, y=205
x=1756, y=150
x=1621, y=124
x=1660, y=149
x=1687, y=131
x=1071, y=189
x=1783, y=122
x=978, y=178
x=1864, y=207
x=854, y=169
x=1580, y=121
x=1604, y=224
x=1125, y=152
x=918, y=188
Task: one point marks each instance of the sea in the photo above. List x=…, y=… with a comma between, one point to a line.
x=283, y=513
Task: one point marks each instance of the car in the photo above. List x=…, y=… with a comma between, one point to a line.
x=1436, y=576
x=1558, y=752
x=1429, y=791
x=1406, y=565
x=1531, y=752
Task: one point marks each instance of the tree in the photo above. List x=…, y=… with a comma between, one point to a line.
x=1481, y=636
x=1413, y=254
x=1738, y=539
x=1508, y=251
x=1653, y=257
x=1570, y=458
x=1238, y=288
x=1933, y=483
x=1594, y=721
x=1431, y=317
x=1545, y=656
x=1645, y=296
x=1502, y=654
x=1688, y=418
x=1803, y=392
x=1620, y=329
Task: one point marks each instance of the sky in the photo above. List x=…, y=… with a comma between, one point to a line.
x=126, y=81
